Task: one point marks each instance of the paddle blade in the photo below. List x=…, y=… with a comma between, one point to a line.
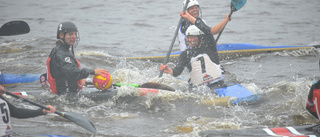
x=72, y=116
x=157, y=86
x=79, y=120
x=238, y=4
x=14, y=28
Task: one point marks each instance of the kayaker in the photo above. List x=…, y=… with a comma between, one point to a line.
x=63, y=69
x=313, y=102
x=8, y=110
x=201, y=58
x=194, y=10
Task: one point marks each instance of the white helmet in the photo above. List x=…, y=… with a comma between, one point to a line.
x=193, y=30
x=191, y=3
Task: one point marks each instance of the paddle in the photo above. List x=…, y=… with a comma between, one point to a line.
x=174, y=38
x=43, y=82
x=14, y=28
x=150, y=85
x=72, y=116
x=235, y=5
x=145, y=85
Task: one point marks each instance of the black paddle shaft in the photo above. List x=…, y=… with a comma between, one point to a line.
x=26, y=100
x=31, y=102
x=233, y=9
x=174, y=38
x=171, y=46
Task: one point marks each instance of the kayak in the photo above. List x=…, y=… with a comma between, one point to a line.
x=15, y=79
x=237, y=92
x=48, y=136
x=230, y=51
x=294, y=131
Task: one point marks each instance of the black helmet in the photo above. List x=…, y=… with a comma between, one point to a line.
x=66, y=27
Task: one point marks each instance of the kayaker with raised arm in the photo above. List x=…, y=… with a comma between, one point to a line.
x=63, y=69
x=201, y=58
x=8, y=110
x=194, y=10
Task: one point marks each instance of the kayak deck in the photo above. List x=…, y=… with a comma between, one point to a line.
x=238, y=93
x=15, y=79
x=301, y=131
x=236, y=90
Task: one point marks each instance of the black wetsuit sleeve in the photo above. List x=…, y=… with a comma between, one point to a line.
x=70, y=67
x=181, y=64
x=203, y=27
x=210, y=43
x=22, y=113
x=184, y=25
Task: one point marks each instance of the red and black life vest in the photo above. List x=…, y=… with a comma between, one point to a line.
x=52, y=81
x=313, y=103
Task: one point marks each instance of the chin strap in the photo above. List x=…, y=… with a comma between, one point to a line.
x=72, y=51
x=64, y=40
x=201, y=39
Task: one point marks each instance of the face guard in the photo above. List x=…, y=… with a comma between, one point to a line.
x=68, y=39
x=193, y=3
x=65, y=28
x=193, y=40
x=194, y=36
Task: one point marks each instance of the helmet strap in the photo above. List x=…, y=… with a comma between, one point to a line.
x=72, y=50
x=63, y=39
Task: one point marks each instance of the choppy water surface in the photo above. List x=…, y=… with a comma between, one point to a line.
x=113, y=29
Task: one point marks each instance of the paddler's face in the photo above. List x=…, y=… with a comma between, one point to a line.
x=70, y=38
x=194, y=11
x=193, y=40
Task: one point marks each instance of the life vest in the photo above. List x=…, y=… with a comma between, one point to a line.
x=5, y=122
x=204, y=70
x=52, y=81
x=314, y=104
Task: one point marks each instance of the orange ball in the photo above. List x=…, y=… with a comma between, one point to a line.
x=103, y=81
